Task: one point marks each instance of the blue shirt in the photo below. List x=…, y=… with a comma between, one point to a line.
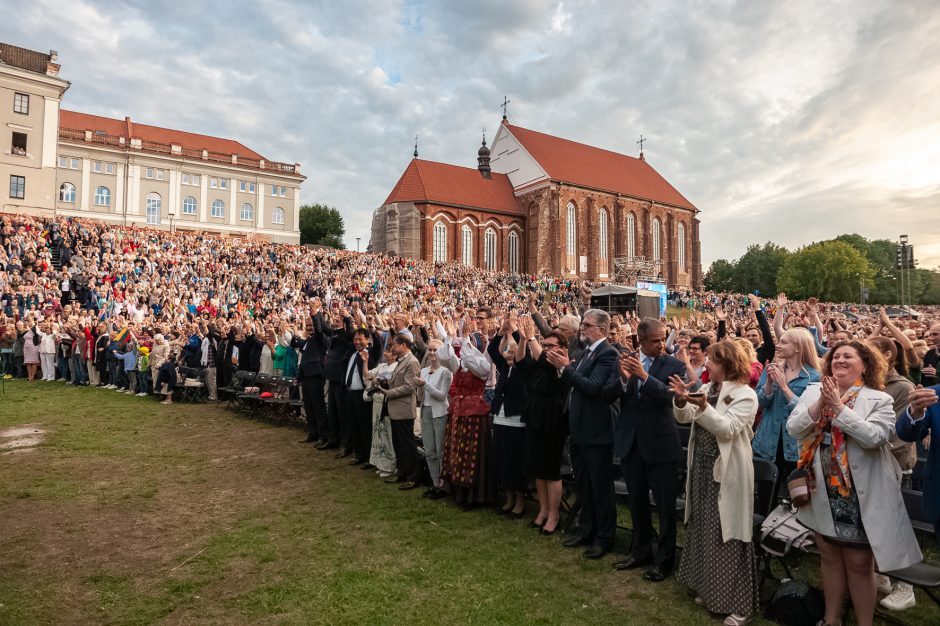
x=776, y=411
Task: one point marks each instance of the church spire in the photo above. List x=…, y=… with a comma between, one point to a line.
x=416, y=146
x=483, y=158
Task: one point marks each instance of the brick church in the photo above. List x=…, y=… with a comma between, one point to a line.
x=541, y=204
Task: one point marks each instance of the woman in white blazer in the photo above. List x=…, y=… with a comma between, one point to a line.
x=843, y=426
x=718, y=561
x=434, y=384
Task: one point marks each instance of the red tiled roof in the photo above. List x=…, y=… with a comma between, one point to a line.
x=24, y=58
x=119, y=128
x=428, y=181
x=572, y=162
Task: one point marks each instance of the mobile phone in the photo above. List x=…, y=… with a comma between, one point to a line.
x=696, y=394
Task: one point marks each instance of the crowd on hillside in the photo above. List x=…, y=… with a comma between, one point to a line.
x=500, y=377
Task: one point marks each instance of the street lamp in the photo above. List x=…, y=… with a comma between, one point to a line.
x=172, y=215
x=357, y=243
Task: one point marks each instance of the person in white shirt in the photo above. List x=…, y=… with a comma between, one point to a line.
x=434, y=383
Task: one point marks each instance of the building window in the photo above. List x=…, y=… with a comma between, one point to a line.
x=248, y=212
x=278, y=216
x=571, y=239
x=602, y=243
x=96, y=166
x=63, y=162
x=18, y=145
x=189, y=206
x=153, y=208
x=149, y=173
x=489, y=249
x=102, y=196
x=73, y=164
x=513, y=253
x=109, y=168
x=657, y=248
x=466, y=245
x=681, y=245
x=223, y=183
x=631, y=235
x=218, y=209
x=245, y=186
x=283, y=192
x=21, y=103
x=67, y=192
x=156, y=174
x=439, y=253
x=18, y=187
x=185, y=179
x=213, y=183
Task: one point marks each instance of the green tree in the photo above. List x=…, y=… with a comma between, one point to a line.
x=757, y=269
x=321, y=225
x=832, y=271
x=720, y=276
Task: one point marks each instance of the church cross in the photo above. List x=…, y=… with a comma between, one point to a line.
x=641, y=141
x=416, y=146
x=506, y=102
x=484, y=135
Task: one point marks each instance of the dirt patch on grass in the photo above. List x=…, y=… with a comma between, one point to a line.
x=21, y=437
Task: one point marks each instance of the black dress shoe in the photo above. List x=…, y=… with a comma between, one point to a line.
x=326, y=445
x=512, y=514
x=546, y=533
x=309, y=439
x=631, y=563
x=595, y=552
x=409, y=486
x=437, y=494
x=394, y=479
x=575, y=541
x=356, y=462
x=367, y=466
x=533, y=524
x=654, y=575
x=343, y=453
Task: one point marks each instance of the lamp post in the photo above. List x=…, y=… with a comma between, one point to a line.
x=172, y=215
x=357, y=243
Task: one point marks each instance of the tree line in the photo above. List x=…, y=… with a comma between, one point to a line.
x=836, y=270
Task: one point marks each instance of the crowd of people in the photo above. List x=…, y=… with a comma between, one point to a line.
x=502, y=378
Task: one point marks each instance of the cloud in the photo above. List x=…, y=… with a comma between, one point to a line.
x=788, y=122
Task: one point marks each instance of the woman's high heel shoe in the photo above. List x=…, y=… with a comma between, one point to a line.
x=534, y=524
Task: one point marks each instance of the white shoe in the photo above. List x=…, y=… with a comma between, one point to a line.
x=141, y=395
x=883, y=583
x=902, y=597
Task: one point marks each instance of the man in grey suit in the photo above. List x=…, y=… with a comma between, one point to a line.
x=400, y=406
x=591, y=420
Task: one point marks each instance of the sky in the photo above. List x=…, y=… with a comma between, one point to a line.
x=789, y=122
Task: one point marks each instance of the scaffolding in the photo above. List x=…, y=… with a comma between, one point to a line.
x=630, y=269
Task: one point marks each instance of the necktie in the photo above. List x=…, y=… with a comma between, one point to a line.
x=352, y=370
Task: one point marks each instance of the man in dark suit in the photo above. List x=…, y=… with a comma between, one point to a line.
x=647, y=442
x=312, y=351
x=591, y=418
x=358, y=411
x=340, y=331
x=922, y=419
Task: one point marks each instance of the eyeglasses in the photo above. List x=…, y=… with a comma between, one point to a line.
x=550, y=346
x=589, y=325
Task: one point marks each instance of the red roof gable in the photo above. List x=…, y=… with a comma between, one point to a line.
x=121, y=128
x=572, y=162
x=428, y=181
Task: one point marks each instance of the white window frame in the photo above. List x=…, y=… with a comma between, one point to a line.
x=96, y=166
x=185, y=179
x=102, y=199
x=249, y=209
x=154, y=208
x=631, y=235
x=213, y=182
x=67, y=193
x=466, y=245
x=242, y=186
x=218, y=208
x=189, y=208
x=73, y=163
x=513, y=245
x=277, y=216
x=603, y=242
x=439, y=247
x=680, y=242
x=149, y=172
x=489, y=249
x=64, y=162
x=109, y=168
x=223, y=183
x=657, y=240
x=571, y=237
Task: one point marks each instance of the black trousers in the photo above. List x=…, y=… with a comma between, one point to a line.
x=358, y=416
x=335, y=398
x=662, y=480
x=594, y=473
x=406, y=450
x=314, y=405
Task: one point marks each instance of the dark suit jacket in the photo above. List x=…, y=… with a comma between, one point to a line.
x=646, y=419
x=909, y=431
x=375, y=353
x=312, y=349
x=510, y=392
x=341, y=347
x=591, y=415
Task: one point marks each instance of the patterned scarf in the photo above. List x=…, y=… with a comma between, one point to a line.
x=839, y=474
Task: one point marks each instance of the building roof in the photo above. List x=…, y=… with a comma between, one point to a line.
x=24, y=58
x=126, y=128
x=579, y=164
x=429, y=181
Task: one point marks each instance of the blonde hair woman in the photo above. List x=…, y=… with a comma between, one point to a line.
x=779, y=388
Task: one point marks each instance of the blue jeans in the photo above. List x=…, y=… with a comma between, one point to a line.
x=143, y=381
x=79, y=374
x=63, y=366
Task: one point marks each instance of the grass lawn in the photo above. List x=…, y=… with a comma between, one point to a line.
x=129, y=512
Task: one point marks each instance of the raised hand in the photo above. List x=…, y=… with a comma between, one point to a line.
x=921, y=399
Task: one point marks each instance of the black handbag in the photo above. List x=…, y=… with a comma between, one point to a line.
x=797, y=603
